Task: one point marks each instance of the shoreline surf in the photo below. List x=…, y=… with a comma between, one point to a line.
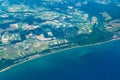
x=39, y=55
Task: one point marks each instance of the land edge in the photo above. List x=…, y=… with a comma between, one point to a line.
x=39, y=55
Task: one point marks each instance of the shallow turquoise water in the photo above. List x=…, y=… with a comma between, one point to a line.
x=100, y=62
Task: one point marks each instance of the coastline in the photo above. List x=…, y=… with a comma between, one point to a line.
x=39, y=55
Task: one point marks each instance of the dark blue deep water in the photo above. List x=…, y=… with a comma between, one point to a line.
x=100, y=62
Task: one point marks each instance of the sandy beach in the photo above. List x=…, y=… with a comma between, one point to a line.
x=39, y=55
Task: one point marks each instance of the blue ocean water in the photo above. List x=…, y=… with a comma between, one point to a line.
x=99, y=62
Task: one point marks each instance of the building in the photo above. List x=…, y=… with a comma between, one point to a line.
x=8, y=38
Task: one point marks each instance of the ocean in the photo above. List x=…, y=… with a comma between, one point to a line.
x=98, y=62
